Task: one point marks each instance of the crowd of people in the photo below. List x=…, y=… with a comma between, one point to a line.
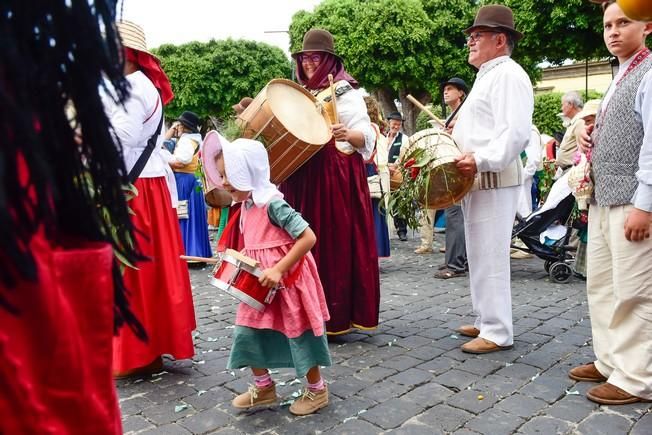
x=310, y=236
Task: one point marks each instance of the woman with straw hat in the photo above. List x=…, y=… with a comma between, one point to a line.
x=160, y=287
x=331, y=191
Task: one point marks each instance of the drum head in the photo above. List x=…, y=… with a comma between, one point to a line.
x=297, y=110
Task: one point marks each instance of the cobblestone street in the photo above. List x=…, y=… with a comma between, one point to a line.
x=407, y=377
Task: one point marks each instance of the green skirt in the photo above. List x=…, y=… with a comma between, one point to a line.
x=269, y=349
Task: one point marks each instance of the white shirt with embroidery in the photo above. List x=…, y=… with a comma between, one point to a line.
x=495, y=121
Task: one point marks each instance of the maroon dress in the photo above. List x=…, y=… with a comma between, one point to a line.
x=332, y=194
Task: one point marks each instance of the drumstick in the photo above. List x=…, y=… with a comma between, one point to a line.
x=336, y=118
x=425, y=109
x=202, y=259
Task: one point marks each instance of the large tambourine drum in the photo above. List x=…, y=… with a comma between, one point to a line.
x=291, y=124
x=395, y=180
x=446, y=185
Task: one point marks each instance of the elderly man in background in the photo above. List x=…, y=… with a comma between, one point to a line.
x=492, y=129
x=571, y=106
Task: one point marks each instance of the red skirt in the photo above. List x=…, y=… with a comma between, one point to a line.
x=332, y=194
x=55, y=350
x=159, y=291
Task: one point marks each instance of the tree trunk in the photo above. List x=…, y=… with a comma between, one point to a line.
x=385, y=96
x=410, y=111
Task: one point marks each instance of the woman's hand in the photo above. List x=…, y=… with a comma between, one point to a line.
x=340, y=132
x=584, y=142
x=271, y=277
x=637, y=225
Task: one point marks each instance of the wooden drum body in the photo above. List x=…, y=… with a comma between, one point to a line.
x=446, y=185
x=290, y=122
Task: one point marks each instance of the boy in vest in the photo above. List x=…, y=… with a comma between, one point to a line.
x=619, y=270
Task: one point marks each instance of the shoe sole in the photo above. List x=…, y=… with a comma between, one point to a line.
x=257, y=405
x=479, y=352
x=601, y=401
x=309, y=413
x=585, y=379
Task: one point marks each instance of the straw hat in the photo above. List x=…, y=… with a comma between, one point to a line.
x=590, y=108
x=132, y=36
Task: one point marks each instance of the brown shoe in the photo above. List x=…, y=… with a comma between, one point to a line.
x=423, y=250
x=481, y=345
x=586, y=373
x=608, y=394
x=468, y=331
x=310, y=402
x=255, y=397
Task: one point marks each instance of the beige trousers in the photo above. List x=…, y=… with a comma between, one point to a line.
x=426, y=230
x=619, y=289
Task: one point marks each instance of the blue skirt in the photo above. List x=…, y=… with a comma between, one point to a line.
x=380, y=220
x=194, y=230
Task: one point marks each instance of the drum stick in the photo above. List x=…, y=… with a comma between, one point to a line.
x=425, y=109
x=336, y=119
x=202, y=259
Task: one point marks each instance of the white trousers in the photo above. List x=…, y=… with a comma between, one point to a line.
x=619, y=290
x=427, y=221
x=488, y=221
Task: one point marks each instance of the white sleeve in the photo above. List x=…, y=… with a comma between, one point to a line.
x=643, y=107
x=352, y=112
x=512, y=105
x=127, y=121
x=533, y=152
x=184, y=151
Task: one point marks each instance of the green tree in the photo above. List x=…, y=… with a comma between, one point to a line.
x=555, y=31
x=394, y=47
x=208, y=78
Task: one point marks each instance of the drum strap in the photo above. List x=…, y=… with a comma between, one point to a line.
x=221, y=244
x=149, y=148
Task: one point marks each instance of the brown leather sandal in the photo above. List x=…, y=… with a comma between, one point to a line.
x=449, y=273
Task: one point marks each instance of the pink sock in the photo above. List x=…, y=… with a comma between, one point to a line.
x=263, y=380
x=317, y=386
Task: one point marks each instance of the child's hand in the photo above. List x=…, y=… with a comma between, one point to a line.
x=270, y=278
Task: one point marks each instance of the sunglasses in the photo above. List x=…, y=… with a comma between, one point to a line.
x=314, y=58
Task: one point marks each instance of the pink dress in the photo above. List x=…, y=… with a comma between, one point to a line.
x=301, y=305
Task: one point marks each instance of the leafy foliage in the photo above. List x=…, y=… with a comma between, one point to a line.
x=208, y=78
x=555, y=31
x=398, y=46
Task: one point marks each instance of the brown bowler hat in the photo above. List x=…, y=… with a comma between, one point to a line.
x=317, y=40
x=495, y=16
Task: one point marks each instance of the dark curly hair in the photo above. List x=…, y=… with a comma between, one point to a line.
x=56, y=55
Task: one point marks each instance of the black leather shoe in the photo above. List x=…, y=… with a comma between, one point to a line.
x=402, y=237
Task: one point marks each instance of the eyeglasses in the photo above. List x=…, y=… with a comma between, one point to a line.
x=472, y=37
x=314, y=58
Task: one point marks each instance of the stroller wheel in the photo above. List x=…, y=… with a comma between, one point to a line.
x=560, y=272
x=547, y=265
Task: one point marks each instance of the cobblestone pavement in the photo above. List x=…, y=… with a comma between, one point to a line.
x=409, y=376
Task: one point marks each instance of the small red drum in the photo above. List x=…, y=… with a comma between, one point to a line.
x=238, y=276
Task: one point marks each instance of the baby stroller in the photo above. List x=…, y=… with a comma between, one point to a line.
x=546, y=231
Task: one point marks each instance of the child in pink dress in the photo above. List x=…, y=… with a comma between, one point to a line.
x=290, y=332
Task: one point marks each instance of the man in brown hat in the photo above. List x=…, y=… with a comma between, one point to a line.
x=492, y=129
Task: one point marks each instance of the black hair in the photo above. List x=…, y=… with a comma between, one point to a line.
x=60, y=168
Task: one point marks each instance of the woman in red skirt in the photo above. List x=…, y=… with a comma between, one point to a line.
x=159, y=289
x=332, y=194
